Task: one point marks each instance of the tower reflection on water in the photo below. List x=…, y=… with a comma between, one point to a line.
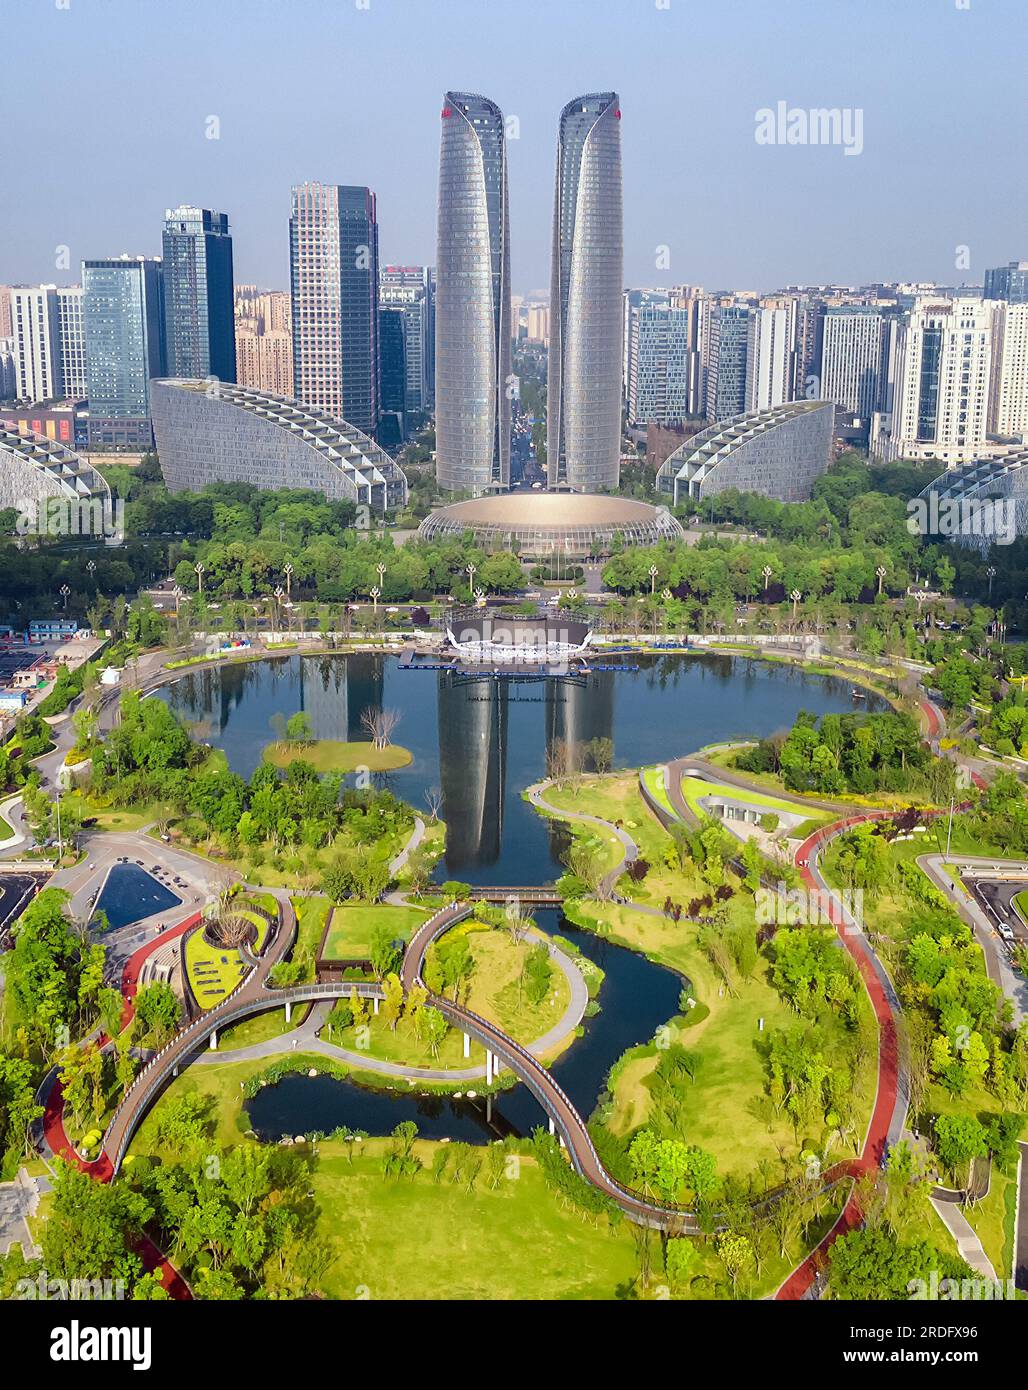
x=473, y=745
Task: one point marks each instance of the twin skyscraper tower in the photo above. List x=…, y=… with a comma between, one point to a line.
x=474, y=382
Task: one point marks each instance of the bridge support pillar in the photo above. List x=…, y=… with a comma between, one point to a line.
x=289, y=1011
x=467, y=1045
x=488, y=1110
x=488, y=1067
x=214, y=1040
x=376, y=1004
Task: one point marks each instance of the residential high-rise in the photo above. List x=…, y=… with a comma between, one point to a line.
x=473, y=314
x=48, y=341
x=854, y=342
x=939, y=373
x=264, y=340
x=199, y=312
x=725, y=366
x=6, y=329
x=1008, y=396
x=583, y=438
x=407, y=288
x=333, y=261
x=659, y=372
x=1009, y=282
x=124, y=327
x=631, y=302
x=770, y=340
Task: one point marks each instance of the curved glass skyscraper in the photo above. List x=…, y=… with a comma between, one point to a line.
x=583, y=438
x=472, y=325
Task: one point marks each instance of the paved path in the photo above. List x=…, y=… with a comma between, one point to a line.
x=997, y=962
x=305, y=1038
x=18, y=1201
x=969, y=1246
x=417, y=835
x=536, y=796
x=1021, y=1220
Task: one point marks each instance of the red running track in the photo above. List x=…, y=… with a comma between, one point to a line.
x=100, y=1168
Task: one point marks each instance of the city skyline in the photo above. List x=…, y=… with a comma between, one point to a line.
x=771, y=216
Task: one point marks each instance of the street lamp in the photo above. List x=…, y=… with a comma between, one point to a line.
x=374, y=591
x=179, y=595
x=480, y=598
x=64, y=591
x=991, y=573
x=470, y=568
x=287, y=570
x=766, y=572
x=199, y=567
x=795, y=596
x=279, y=594
x=880, y=571
x=91, y=568
x=654, y=571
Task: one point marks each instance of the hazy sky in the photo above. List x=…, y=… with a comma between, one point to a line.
x=106, y=107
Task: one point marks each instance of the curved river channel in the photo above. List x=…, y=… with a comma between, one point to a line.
x=481, y=743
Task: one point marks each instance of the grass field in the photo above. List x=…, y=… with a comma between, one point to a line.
x=331, y=755
x=731, y=1076
x=351, y=927
x=212, y=971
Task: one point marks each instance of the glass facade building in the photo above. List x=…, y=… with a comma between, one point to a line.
x=228, y=434
x=199, y=294
x=726, y=361
x=583, y=440
x=333, y=266
x=472, y=306
x=123, y=318
x=777, y=453
x=1009, y=282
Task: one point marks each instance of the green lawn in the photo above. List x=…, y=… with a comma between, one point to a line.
x=330, y=755
x=351, y=927
x=212, y=971
x=695, y=789
x=425, y=1240
x=653, y=780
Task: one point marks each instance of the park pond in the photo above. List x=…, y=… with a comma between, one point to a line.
x=481, y=742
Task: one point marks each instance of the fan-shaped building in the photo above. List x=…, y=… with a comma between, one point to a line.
x=223, y=433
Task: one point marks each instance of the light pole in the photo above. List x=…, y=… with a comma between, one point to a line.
x=880, y=571
x=199, y=567
x=470, y=568
x=380, y=570
x=991, y=573
x=64, y=591
x=287, y=570
x=654, y=571
x=479, y=598
x=279, y=592
x=91, y=568
x=374, y=592
x=795, y=596
x=766, y=572
x=178, y=592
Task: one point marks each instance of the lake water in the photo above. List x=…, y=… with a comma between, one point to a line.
x=481, y=743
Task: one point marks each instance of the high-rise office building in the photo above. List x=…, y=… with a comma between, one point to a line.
x=631, y=302
x=938, y=382
x=854, y=342
x=8, y=373
x=72, y=334
x=1008, y=395
x=725, y=364
x=333, y=261
x=770, y=367
x=473, y=313
x=199, y=313
x=583, y=437
x=392, y=377
x=408, y=288
x=123, y=315
x=1009, y=282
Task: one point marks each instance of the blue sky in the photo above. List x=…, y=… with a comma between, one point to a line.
x=114, y=131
